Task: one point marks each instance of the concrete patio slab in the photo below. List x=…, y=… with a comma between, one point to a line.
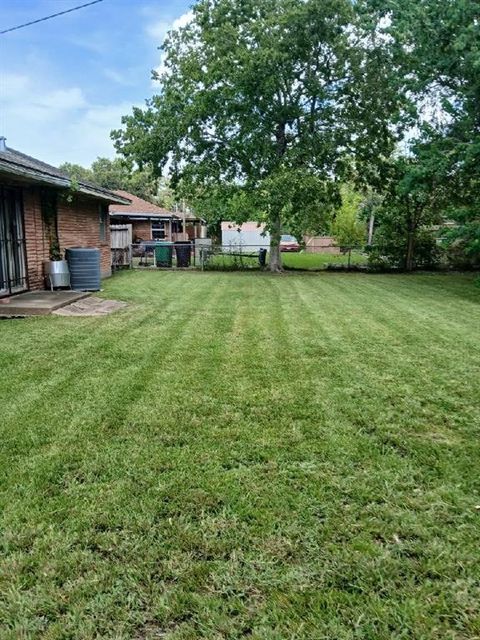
x=38, y=303
x=92, y=306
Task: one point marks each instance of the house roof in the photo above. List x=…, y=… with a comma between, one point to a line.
x=139, y=207
x=15, y=163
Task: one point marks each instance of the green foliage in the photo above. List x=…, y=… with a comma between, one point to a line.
x=165, y=196
x=437, y=46
x=49, y=208
x=115, y=174
x=348, y=228
x=77, y=171
x=391, y=246
x=412, y=203
x=259, y=106
x=463, y=241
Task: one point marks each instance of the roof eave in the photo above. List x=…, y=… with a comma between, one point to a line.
x=38, y=176
x=62, y=183
x=143, y=216
x=108, y=196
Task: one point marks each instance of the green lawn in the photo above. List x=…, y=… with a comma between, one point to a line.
x=300, y=260
x=240, y=455
x=313, y=261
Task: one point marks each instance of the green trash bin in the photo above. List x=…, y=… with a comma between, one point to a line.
x=163, y=254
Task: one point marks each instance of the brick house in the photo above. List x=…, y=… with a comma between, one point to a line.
x=151, y=222
x=41, y=209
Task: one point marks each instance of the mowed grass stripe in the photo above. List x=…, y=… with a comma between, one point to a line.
x=240, y=455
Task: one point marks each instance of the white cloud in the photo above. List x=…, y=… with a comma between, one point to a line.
x=56, y=124
x=183, y=20
x=60, y=121
x=12, y=83
x=62, y=99
x=159, y=29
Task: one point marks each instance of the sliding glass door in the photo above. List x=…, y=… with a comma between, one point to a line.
x=13, y=268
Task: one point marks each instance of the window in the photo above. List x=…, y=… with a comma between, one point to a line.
x=103, y=221
x=158, y=230
x=177, y=226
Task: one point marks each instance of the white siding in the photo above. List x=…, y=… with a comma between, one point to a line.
x=245, y=235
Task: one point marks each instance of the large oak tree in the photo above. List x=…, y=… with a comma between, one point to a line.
x=260, y=104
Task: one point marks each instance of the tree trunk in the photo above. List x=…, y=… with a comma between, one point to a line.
x=371, y=225
x=275, y=261
x=276, y=223
x=409, y=259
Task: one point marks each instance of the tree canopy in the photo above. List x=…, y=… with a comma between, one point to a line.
x=437, y=48
x=260, y=105
x=116, y=174
x=348, y=228
x=265, y=107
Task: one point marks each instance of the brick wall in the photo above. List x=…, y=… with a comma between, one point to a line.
x=35, y=238
x=142, y=229
x=79, y=226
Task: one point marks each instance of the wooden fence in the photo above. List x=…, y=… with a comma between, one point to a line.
x=121, y=245
x=320, y=244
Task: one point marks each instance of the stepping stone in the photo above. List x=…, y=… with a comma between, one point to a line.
x=91, y=306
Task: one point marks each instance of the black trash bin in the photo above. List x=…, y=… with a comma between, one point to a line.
x=262, y=257
x=183, y=251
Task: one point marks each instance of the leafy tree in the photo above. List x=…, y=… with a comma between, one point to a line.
x=165, y=196
x=348, y=228
x=463, y=240
x=77, y=171
x=437, y=44
x=412, y=204
x=260, y=103
x=115, y=174
x=111, y=174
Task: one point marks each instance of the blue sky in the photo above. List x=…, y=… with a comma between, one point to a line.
x=66, y=82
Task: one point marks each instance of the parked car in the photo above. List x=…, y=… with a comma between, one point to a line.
x=289, y=243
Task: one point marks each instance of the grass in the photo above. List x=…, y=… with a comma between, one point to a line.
x=318, y=261
x=301, y=260
x=242, y=455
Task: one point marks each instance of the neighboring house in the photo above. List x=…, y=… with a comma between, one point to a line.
x=254, y=235
x=38, y=202
x=151, y=222
x=195, y=227
x=247, y=234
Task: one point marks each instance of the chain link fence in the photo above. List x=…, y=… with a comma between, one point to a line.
x=235, y=257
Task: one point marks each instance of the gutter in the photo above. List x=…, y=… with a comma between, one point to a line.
x=144, y=216
x=63, y=183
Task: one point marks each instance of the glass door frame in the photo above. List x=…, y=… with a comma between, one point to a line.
x=13, y=252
